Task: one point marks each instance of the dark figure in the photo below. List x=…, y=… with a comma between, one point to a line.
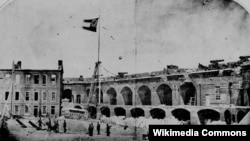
x=49, y=125
x=108, y=130
x=56, y=127
x=98, y=128
x=64, y=126
x=40, y=123
x=91, y=128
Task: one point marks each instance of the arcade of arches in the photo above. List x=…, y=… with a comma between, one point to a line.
x=164, y=92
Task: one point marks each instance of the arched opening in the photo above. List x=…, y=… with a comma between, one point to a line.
x=181, y=114
x=78, y=107
x=105, y=111
x=137, y=112
x=188, y=93
x=127, y=95
x=112, y=96
x=78, y=98
x=227, y=116
x=157, y=113
x=165, y=94
x=145, y=95
x=92, y=112
x=240, y=115
x=119, y=111
x=67, y=94
x=208, y=114
x=97, y=95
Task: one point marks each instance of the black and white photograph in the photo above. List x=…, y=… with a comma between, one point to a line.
x=123, y=70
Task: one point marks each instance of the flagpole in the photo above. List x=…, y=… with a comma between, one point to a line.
x=98, y=75
x=99, y=38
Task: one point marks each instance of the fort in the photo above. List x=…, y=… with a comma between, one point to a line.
x=217, y=92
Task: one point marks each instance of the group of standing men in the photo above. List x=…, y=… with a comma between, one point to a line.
x=98, y=128
x=55, y=127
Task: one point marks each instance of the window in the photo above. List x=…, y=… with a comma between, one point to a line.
x=17, y=96
x=78, y=99
x=217, y=93
x=26, y=110
x=53, y=79
x=53, y=96
x=17, y=79
x=44, y=79
x=27, y=96
x=52, y=110
x=44, y=109
x=36, y=96
x=44, y=96
x=16, y=110
x=27, y=78
x=6, y=95
x=35, y=111
x=36, y=79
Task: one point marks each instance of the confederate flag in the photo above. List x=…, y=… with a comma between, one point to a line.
x=92, y=24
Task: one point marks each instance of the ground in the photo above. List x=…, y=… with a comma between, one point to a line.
x=76, y=131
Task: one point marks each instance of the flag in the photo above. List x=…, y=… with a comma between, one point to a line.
x=92, y=24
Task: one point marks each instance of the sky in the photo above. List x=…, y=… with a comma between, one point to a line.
x=135, y=35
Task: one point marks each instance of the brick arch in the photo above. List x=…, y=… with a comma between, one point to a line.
x=181, y=114
x=165, y=94
x=188, y=93
x=111, y=92
x=157, y=113
x=205, y=114
x=67, y=93
x=127, y=95
x=144, y=93
x=120, y=111
x=105, y=111
x=137, y=112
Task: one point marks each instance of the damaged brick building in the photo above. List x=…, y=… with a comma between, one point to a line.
x=218, y=91
x=28, y=92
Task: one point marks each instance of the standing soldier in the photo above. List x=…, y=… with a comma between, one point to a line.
x=90, y=129
x=98, y=128
x=108, y=130
x=49, y=125
x=64, y=126
x=40, y=123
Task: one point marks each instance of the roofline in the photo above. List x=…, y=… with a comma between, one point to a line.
x=30, y=70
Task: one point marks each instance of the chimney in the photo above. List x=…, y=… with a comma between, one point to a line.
x=19, y=65
x=60, y=64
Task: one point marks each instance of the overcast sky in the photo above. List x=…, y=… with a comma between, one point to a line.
x=146, y=34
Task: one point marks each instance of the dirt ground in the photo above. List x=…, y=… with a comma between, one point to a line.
x=76, y=131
